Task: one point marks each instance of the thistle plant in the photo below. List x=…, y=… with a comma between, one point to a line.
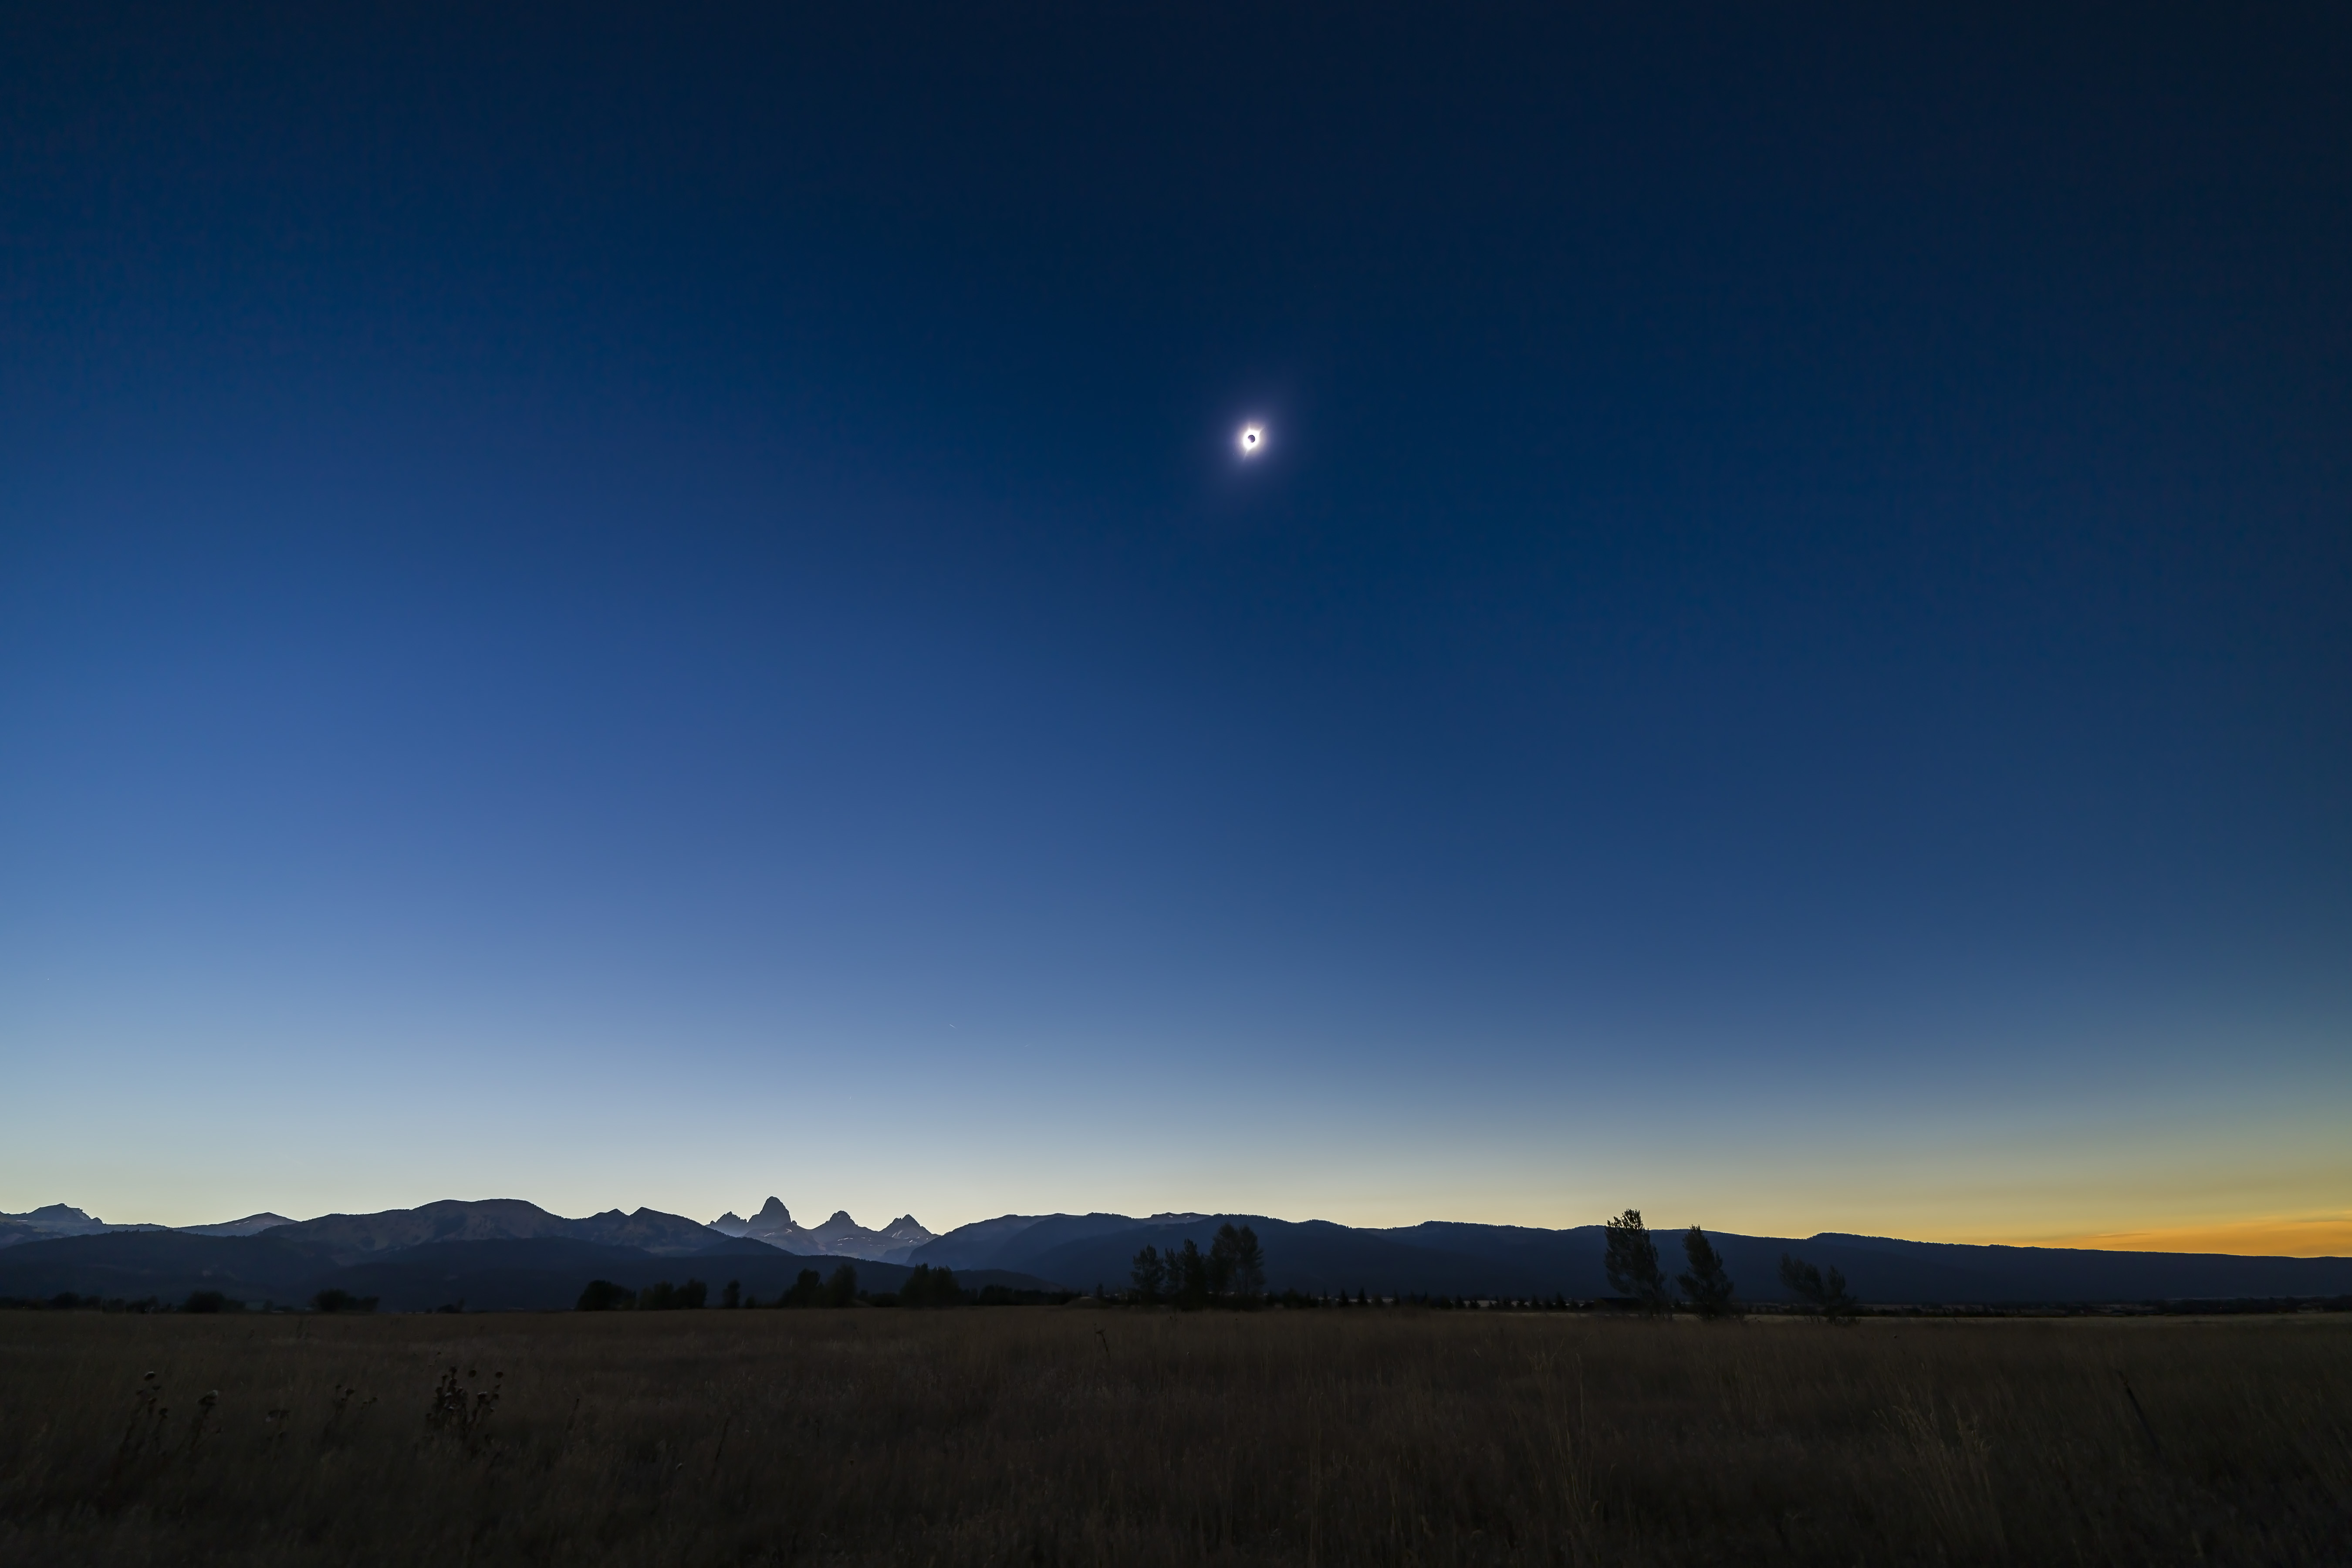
x=461, y=1411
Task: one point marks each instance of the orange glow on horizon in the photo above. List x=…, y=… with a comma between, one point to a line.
x=2310, y=1236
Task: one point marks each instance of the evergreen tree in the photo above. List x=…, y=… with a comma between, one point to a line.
x=841, y=1289
x=1705, y=1285
x=1222, y=1251
x=1632, y=1263
x=1249, y=1265
x=664, y=1297
x=1825, y=1296
x=1150, y=1275
x=1189, y=1276
x=930, y=1287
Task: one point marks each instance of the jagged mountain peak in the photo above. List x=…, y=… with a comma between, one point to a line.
x=839, y=1237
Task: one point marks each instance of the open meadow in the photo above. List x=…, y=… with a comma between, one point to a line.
x=1075, y=1436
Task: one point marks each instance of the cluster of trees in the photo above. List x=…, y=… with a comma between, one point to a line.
x=604, y=1296
x=1556, y=1302
x=926, y=1287
x=660, y=1297
x=1631, y=1261
x=1231, y=1273
x=332, y=1300
x=1825, y=1294
x=930, y=1287
x=67, y=1301
x=197, y=1301
x=810, y=1289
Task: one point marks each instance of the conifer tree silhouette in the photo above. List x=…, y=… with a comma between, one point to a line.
x=1705, y=1285
x=1632, y=1263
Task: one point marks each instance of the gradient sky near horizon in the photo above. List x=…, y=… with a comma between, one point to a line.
x=628, y=605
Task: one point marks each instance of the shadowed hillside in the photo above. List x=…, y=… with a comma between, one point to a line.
x=533, y=1273
x=348, y=1237
x=1459, y=1259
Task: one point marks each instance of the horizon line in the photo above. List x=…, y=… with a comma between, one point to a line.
x=2309, y=1236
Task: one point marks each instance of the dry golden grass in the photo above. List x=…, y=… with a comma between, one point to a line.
x=1068, y=1436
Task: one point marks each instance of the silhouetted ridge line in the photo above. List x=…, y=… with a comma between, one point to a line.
x=505, y=1252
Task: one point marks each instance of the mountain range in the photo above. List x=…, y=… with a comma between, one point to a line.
x=57, y=1219
x=499, y=1254
x=504, y=1253
x=351, y=1235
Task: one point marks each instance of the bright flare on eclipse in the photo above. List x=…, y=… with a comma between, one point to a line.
x=1251, y=439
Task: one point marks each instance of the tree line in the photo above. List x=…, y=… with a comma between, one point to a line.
x=811, y=1290
x=924, y=1287
x=1231, y=1273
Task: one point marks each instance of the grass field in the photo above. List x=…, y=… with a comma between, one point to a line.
x=1053, y=1435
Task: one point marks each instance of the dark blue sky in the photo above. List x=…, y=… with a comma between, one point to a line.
x=675, y=579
